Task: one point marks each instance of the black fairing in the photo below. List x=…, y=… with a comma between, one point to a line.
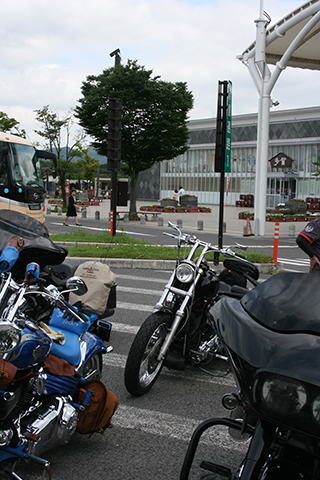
x=257, y=350
x=287, y=302
x=242, y=267
x=37, y=248
x=295, y=355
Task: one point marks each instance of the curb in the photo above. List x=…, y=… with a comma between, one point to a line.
x=133, y=263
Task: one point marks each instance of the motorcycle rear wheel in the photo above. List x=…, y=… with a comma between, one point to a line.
x=142, y=367
x=93, y=368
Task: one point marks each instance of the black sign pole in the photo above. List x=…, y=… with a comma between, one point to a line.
x=220, y=153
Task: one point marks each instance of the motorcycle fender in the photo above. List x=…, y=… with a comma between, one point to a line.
x=93, y=345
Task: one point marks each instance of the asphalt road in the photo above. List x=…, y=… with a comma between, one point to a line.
x=151, y=433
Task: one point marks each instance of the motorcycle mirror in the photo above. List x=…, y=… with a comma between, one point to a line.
x=77, y=285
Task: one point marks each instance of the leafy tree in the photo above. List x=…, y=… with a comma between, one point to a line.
x=10, y=125
x=52, y=131
x=87, y=164
x=154, y=117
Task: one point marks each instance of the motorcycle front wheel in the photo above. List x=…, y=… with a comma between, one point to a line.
x=142, y=367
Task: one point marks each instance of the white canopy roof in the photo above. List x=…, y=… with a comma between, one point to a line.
x=281, y=35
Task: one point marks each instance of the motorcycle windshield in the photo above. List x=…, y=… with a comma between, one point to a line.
x=37, y=247
x=286, y=302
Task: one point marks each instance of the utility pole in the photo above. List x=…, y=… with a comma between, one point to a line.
x=114, y=148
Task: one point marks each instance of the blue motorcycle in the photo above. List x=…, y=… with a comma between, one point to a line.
x=49, y=373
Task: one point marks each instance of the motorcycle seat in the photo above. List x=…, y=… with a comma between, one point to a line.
x=70, y=350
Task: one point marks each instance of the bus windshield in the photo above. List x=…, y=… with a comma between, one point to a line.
x=25, y=165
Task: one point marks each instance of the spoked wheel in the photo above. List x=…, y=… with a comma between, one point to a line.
x=142, y=367
x=93, y=368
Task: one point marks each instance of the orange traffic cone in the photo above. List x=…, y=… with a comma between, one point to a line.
x=248, y=230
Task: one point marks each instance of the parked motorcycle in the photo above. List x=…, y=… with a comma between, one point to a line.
x=181, y=329
x=54, y=269
x=49, y=374
x=272, y=337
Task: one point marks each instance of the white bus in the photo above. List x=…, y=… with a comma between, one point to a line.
x=21, y=183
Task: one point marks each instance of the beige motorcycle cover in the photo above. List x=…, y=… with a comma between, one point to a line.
x=99, y=280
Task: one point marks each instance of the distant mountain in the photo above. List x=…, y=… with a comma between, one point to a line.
x=92, y=152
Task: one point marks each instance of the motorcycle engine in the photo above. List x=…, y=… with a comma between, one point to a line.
x=53, y=426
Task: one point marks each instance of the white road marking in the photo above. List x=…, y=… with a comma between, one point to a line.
x=173, y=426
x=105, y=229
x=141, y=291
x=135, y=306
x=193, y=374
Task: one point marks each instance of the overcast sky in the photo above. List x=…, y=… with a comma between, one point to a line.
x=48, y=48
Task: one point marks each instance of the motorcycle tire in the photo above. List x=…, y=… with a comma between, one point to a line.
x=142, y=367
x=92, y=370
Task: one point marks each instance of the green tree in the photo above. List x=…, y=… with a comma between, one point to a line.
x=87, y=164
x=52, y=131
x=10, y=125
x=154, y=117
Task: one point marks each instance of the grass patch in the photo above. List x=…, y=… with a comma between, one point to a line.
x=103, y=237
x=123, y=246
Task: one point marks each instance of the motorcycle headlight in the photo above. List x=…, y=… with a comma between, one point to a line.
x=282, y=395
x=10, y=336
x=185, y=273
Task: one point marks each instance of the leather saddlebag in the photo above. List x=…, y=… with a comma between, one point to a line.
x=99, y=405
x=7, y=372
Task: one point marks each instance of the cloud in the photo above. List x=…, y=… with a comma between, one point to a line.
x=48, y=48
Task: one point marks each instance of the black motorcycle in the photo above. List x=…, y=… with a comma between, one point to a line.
x=181, y=330
x=272, y=338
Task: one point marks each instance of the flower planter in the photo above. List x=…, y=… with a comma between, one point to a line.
x=169, y=210
x=189, y=201
x=205, y=210
x=168, y=202
x=181, y=210
x=193, y=210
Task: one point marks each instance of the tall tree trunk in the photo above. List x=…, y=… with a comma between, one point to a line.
x=62, y=178
x=133, y=194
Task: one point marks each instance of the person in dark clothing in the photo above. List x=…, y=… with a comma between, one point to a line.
x=72, y=212
x=309, y=241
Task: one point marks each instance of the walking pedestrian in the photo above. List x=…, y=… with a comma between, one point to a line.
x=181, y=193
x=72, y=212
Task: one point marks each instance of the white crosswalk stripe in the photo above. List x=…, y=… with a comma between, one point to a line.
x=172, y=426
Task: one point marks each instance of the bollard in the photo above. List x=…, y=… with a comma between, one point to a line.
x=59, y=211
x=200, y=224
x=126, y=217
x=276, y=242
x=97, y=215
x=142, y=219
x=292, y=230
x=224, y=227
x=179, y=222
x=160, y=221
x=84, y=213
x=48, y=210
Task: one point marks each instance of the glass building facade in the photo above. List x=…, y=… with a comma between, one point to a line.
x=294, y=133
